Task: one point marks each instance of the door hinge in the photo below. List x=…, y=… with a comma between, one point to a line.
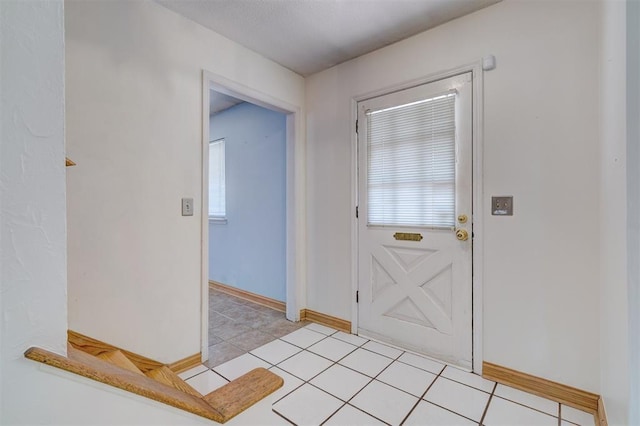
x=356, y=212
x=356, y=126
x=357, y=296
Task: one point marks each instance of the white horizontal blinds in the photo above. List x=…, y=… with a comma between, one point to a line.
x=217, y=197
x=411, y=163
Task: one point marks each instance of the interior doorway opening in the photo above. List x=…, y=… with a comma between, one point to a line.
x=247, y=198
x=292, y=194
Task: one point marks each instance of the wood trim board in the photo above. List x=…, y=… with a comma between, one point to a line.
x=577, y=398
x=117, y=358
x=324, y=319
x=186, y=363
x=220, y=405
x=166, y=376
x=241, y=393
x=96, y=347
x=601, y=416
x=87, y=365
x=247, y=295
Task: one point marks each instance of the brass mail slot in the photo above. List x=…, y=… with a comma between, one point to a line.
x=407, y=236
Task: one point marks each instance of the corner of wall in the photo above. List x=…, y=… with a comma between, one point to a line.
x=633, y=200
x=614, y=314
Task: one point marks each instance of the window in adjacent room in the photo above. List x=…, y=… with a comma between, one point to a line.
x=217, y=190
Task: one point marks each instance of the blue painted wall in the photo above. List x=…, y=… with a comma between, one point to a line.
x=248, y=252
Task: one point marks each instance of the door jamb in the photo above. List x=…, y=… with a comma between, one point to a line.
x=476, y=68
x=295, y=257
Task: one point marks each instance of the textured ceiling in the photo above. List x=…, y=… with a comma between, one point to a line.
x=308, y=36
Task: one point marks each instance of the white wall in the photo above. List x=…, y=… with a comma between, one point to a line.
x=33, y=241
x=248, y=251
x=633, y=203
x=32, y=219
x=541, y=266
x=134, y=125
x=614, y=354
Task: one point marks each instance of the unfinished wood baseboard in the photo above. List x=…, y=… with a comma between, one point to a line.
x=169, y=378
x=165, y=386
x=121, y=360
x=186, y=363
x=558, y=392
x=247, y=295
x=240, y=394
x=96, y=348
x=601, y=416
x=92, y=367
x=328, y=320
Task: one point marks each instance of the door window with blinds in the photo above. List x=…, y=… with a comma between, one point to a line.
x=217, y=184
x=411, y=162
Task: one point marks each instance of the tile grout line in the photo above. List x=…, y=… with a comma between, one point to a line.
x=304, y=382
x=369, y=382
x=359, y=372
x=300, y=378
x=275, y=412
x=361, y=346
x=465, y=384
x=197, y=374
x=219, y=374
x=202, y=372
x=486, y=408
x=526, y=406
x=421, y=398
x=277, y=365
x=333, y=363
x=440, y=376
x=559, y=414
x=324, y=391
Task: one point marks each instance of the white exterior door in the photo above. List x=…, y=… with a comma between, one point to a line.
x=414, y=225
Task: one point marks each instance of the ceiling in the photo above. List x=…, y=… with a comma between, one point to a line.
x=218, y=102
x=308, y=36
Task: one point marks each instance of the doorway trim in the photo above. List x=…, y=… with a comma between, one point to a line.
x=295, y=268
x=477, y=143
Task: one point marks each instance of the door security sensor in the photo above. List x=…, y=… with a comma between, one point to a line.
x=488, y=63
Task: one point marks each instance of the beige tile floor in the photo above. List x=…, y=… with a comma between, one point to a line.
x=236, y=326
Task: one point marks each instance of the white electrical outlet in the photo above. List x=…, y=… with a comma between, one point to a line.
x=187, y=207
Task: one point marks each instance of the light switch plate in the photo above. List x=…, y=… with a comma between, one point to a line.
x=187, y=207
x=502, y=206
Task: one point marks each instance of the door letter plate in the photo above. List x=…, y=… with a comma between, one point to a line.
x=407, y=236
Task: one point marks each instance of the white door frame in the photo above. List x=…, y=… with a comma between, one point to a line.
x=295, y=199
x=476, y=68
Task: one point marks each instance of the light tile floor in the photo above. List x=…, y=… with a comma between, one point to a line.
x=237, y=326
x=333, y=378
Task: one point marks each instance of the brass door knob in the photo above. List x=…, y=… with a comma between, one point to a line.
x=462, y=235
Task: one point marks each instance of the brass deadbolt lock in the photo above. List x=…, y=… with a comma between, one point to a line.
x=462, y=218
x=462, y=235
